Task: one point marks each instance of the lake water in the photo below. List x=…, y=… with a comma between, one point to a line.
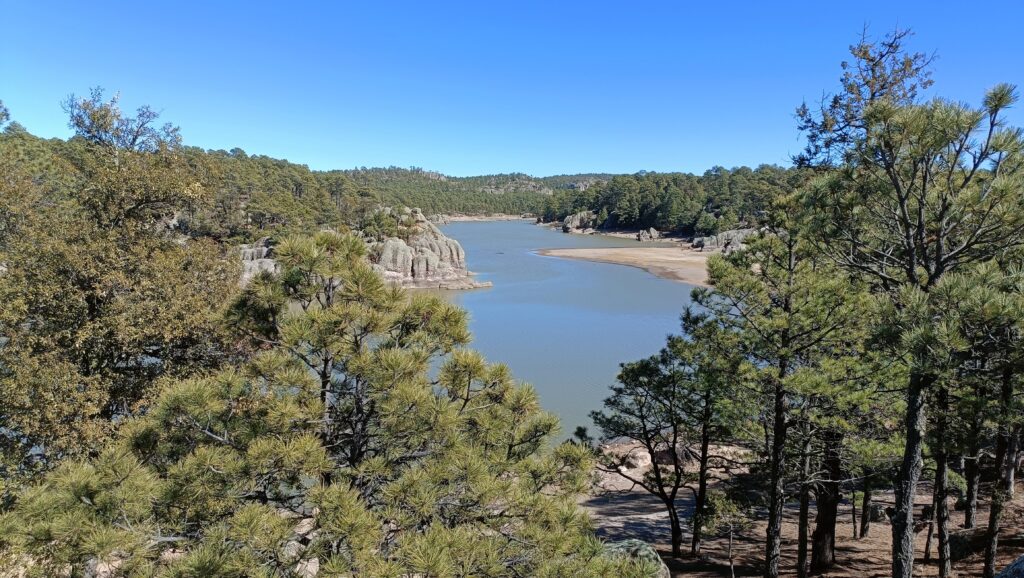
x=562, y=325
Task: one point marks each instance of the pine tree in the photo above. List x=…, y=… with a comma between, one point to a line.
x=794, y=313
x=922, y=190
x=369, y=467
x=675, y=405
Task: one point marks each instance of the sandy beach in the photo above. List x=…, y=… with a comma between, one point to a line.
x=673, y=263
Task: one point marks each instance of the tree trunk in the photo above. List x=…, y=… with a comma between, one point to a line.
x=805, y=506
x=972, y=468
x=803, y=523
x=995, y=512
x=865, y=509
x=931, y=534
x=853, y=514
x=906, y=483
x=823, y=541
x=702, y=481
x=972, y=474
x=677, y=531
x=1012, y=450
x=732, y=567
x=940, y=504
x=1000, y=491
x=773, y=534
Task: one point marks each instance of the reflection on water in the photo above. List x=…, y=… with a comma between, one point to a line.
x=562, y=325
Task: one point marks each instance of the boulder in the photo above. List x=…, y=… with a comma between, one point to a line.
x=105, y=568
x=727, y=241
x=637, y=458
x=308, y=568
x=964, y=543
x=650, y=234
x=579, y=221
x=1014, y=570
x=638, y=550
x=876, y=513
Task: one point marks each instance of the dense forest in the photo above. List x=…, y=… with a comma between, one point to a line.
x=254, y=195
x=718, y=200
x=158, y=418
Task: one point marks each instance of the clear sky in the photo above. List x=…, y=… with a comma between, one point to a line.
x=484, y=86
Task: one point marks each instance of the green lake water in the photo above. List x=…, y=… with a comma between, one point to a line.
x=562, y=325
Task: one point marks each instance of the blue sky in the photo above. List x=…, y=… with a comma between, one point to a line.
x=485, y=86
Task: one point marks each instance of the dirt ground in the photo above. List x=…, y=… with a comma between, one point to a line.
x=624, y=514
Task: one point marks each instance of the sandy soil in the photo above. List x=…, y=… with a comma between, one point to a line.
x=675, y=263
x=624, y=514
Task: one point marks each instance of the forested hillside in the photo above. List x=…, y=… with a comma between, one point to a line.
x=718, y=200
x=159, y=419
x=255, y=195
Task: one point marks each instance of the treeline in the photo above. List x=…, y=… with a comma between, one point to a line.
x=869, y=337
x=718, y=200
x=254, y=195
x=157, y=419
x=434, y=192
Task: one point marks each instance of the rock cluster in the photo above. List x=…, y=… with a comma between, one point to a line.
x=650, y=234
x=727, y=241
x=257, y=257
x=426, y=259
x=581, y=222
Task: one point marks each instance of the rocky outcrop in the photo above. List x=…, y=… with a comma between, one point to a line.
x=257, y=257
x=426, y=259
x=581, y=222
x=650, y=234
x=638, y=550
x=726, y=241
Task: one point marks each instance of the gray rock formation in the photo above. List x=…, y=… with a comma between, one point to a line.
x=256, y=257
x=650, y=234
x=727, y=241
x=638, y=550
x=428, y=259
x=1014, y=570
x=579, y=222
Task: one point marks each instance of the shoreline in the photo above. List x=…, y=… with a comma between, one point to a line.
x=482, y=218
x=672, y=263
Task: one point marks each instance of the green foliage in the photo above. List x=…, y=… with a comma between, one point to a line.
x=102, y=299
x=436, y=193
x=678, y=202
x=333, y=444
